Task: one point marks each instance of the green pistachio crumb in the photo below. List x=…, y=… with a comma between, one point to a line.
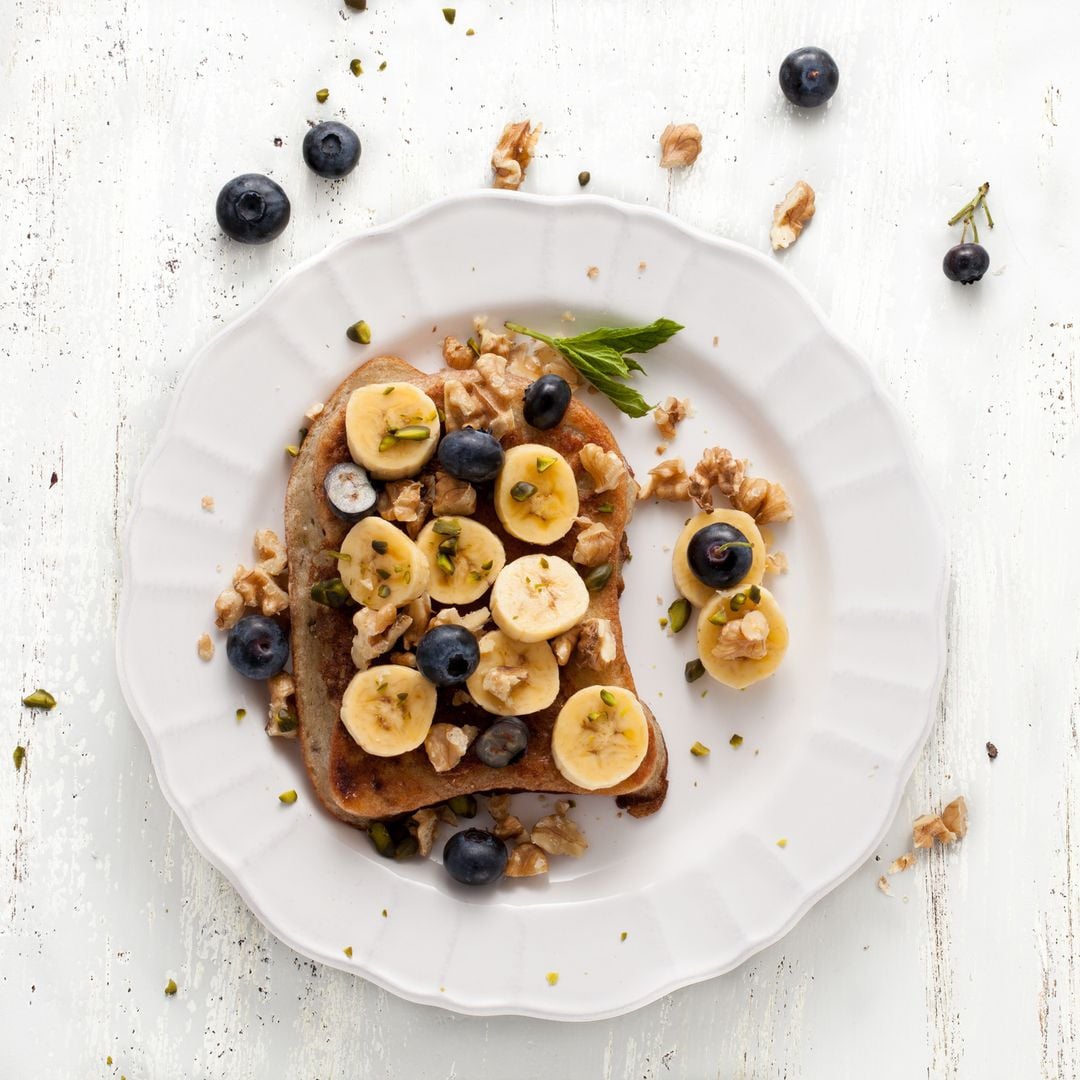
x=449, y=14
x=475, y=575
x=605, y=508
x=330, y=593
x=359, y=332
x=608, y=698
x=348, y=951
x=694, y=670
x=755, y=594
x=737, y=601
x=380, y=837
x=288, y=797
x=446, y=527
x=380, y=547
x=678, y=614
x=382, y=66
x=488, y=565
x=108, y=1059
x=406, y=849
x=413, y=433
x=718, y=617
x=286, y=721
x=699, y=750
x=470, y=32
x=736, y=741
x=583, y=178
x=544, y=463
x=622, y=936
x=383, y=591
x=356, y=67
x=40, y=699
x=463, y=805
x=383, y=575
x=387, y=442
x=544, y=564
x=444, y=562
x=170, y=988
x=341, y=555
x=292, y=449
x=18, y=756
x=240, y=714
x=552, y=978
x=598, y=577
x=322, y=95
x=522, y=490
x=384, y=913
x=662, y=621
x=782, y=842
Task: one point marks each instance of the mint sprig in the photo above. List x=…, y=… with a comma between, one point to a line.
x=602, y=356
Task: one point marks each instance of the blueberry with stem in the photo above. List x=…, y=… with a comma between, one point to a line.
x=968, y=262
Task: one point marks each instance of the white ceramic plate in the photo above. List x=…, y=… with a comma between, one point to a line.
x=828, y=742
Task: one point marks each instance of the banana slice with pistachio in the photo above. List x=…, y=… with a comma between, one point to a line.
x=388, y=709
x=380, y=565
x=688, y=583
x=742, y=636
x=538, y=597
x=392, y=429
x=464, y=558
x=600, y=737
x=536, y=495
x=514, y=678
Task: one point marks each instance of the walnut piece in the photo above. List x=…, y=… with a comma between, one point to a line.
x=259, y=590
x=474, y=621
x=744, y=638
x=281, y=719
x=526, y=860
x=513, y=153
x=904, y=862
x=955, y=817
x=425, y=828
x=205, y=647
x=544, y=360
x=495, y=392
x=883, y=885
x=604, y=466
x=719, y=468
x=207, y=503
x=377, y=631
x=315, y=410
x=404, y=659
x=499, y=806
x=270, y=552
x=928, y=828
x=558, y=835
x=461, y=697
x=453, y=496
x=501, y=681
x=791, y=214
x=229, y=607
x=457, y=356
x=776, y=562
x=680, y=145
x=669, y=413
x=419, y=610
x=667, y=481
x=563, y=645
x=446, y=744
x=764, y=500
x=401, y=500
x=592, y=273
x=460, y=408
x=596, y=644
x=594, y=542
x=507, y=826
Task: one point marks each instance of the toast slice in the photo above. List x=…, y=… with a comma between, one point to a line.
x=360, y=788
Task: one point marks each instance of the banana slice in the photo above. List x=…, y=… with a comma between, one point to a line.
x=600, y=737
x=388, y=709
x=536, y=495
x=537, y=597
x=695, y=590
x=392, y=429
x=733, y=651
x=464, y=558
x=514, y=678
x=382, y=565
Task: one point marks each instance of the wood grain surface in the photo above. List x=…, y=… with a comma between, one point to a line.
x=120, y=121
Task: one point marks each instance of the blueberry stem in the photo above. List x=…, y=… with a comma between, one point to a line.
x=967, y=212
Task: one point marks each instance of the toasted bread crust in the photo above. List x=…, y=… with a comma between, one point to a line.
x=360, y=788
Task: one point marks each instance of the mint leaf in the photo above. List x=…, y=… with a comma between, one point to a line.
x=634, y=339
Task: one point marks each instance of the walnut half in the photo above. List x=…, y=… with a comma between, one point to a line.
x=680, y=145
x=743, y=639
x=526, y=860
x=513, y=153
x=446, y=744
x=791, y=215
x=558, y=835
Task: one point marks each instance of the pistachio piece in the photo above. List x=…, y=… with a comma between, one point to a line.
x=694, y=670
x=288, y=797
x=40, y=699
x=678, y=614
x=598, y=577
x=699, y=750
x=522, y=490
x=463, y=805
x=359, y=332
x=330, y=593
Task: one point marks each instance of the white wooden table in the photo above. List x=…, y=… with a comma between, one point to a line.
x=120, y=121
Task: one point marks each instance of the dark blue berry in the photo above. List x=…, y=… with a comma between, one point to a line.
x=447, y=655
x=252, y=209
x=966, y=263
x=474, y=857
x=809, y=77
x=546, y=401
x=471, y=455
x=257, y=647
x=503, y=742
x=719, y=555
x=331, y=149
x=349, y=491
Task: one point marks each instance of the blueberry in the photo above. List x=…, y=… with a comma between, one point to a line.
x=252, y=209
x=257, y=647
x=720, y=555
x=474, y=857
x=349, y=492
x=447, y=655
x=471, y=455
x=331, y=149
x=546, y=401
x=809, y=77
x=503, y=742
x=966, y=263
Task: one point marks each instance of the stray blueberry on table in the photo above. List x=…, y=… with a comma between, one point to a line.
x=809, y=77
x=967, y=262
x=331, y=149
x=252, y=209
x=475, y=857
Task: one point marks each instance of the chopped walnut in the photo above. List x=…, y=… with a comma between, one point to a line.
x=205, y=647
x=669, y=413
x=474, y=621
x=270, y=552
x=526, y=860
x=446, y=745
x=883, y=885
x=667, y=481
x=460, y=408
x=558, y=835
x=314, y=411
x=514, y=153
x=501, y=681
x=791, y=214
x=507, y=826
x=680, y=145
x=499, y=806
x=461, y=697
x=492, y=341
x=404, y=659
x=764, y=500
x=401, y=500
x=594, y=542
x=446, y=814
x=604, y=466
x=377, y=631
x=596, y=643
x=281, y=720
x=259, y=590
x=745, y=638
x=928, y=828
x=776, y=562
x=207, y=503
x=419, y=610
x=496, y=394
x=592, y=273
x=425, y=827
x=717, y=468
x=453, y=496
x=955, y=817
x=563, y=645
x=458, y=356
x=544, y=360
x=905, y=862
x=229, y=607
